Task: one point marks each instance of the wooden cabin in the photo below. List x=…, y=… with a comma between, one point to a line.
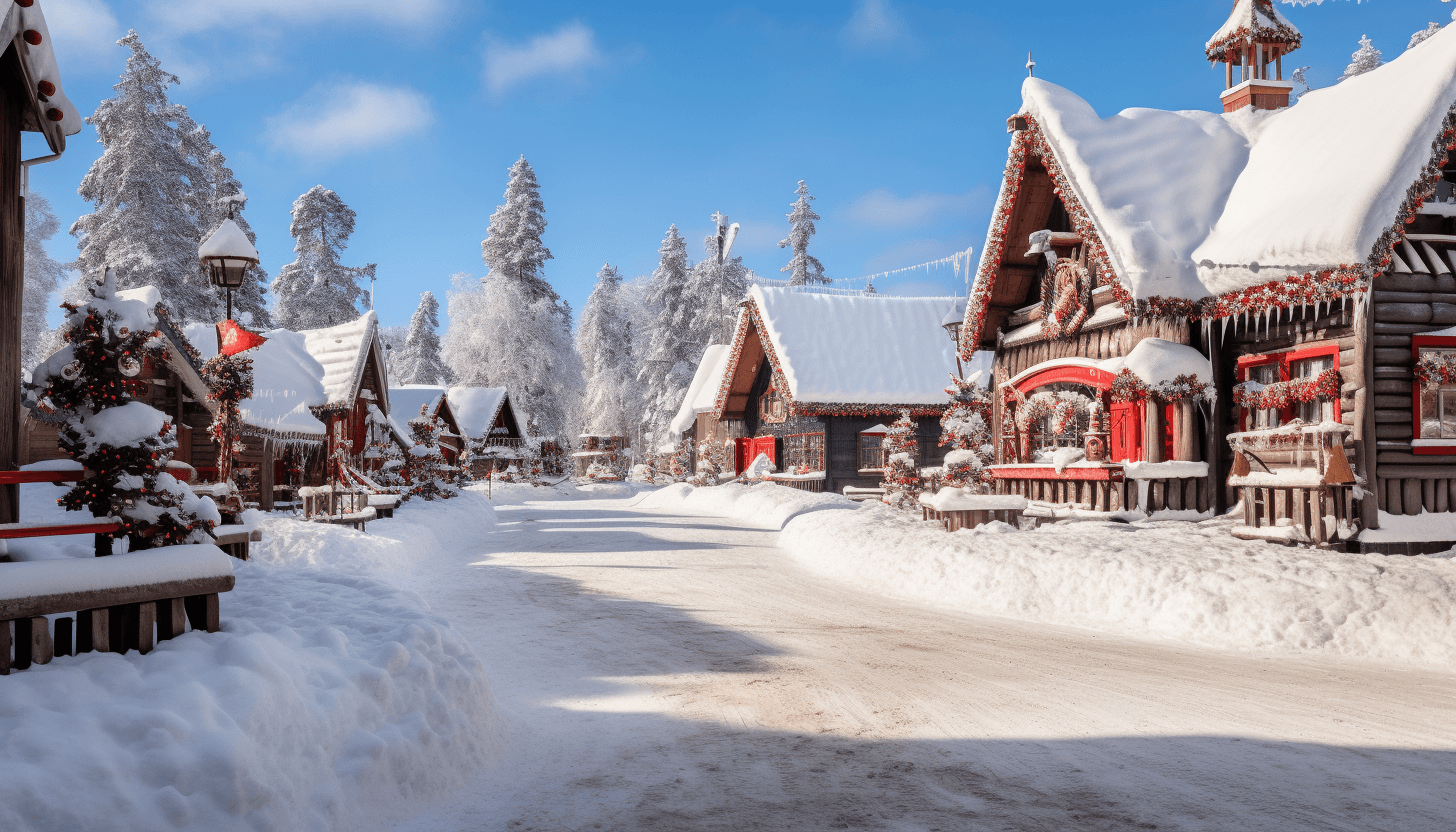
x=811, y=375
x=174, y=386
x=31, y=101
x=1307, y=253
x=410, y=401
x=486, y=419
x=594, y=448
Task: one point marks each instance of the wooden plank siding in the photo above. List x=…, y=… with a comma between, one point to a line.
x=14, y=102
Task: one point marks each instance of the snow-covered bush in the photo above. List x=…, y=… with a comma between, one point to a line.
x=965, y=427
x=430, y=476
x=126, y=444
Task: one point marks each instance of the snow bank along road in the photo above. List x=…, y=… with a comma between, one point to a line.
x=661, y=671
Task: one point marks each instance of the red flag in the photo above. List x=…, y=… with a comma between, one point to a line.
x=233, y=339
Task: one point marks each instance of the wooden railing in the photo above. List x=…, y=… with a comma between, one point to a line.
x=102, y=527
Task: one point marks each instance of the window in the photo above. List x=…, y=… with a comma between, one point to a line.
x=1303, y=365
x=871, y=449
x=771, y=408
x=1435, y=404
x=1265, y=374
x=803, y=452
x=1308, y=369
x=1073, y=432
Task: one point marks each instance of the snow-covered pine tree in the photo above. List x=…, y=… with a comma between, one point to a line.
x=223, y=196
x=124, y=443
x=1419, y=37
x=144, y=188
x=42, y=278
x=611, y=403
x=419, y=362
x=316, y=290
x=672, y=354
x=512, y=247
x=1364, y=59
x=965, y=427
x=803, y=268
x=499, y=337
x=431, y=477
x=902, y=479
x=714, y=292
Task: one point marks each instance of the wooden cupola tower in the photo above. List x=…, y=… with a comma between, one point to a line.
x=1251, y=46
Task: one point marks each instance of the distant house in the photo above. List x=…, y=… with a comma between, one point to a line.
x=696, y=420
x=487, y=419
x=412, y=401
x=809, y=376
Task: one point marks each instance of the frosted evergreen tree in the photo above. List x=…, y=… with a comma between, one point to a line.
x=316, y=290
x=512, y=248
x=419, y=362
x=1419, y=37
x=1364, y=59
x=500, y=336
x=611, y=404
x=672, y=353
x=223, y=195
x=713, y=294
x=145, y=189
x=803, y=267
x=42, y=277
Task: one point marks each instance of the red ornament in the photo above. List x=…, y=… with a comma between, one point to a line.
x=32, y=37
x=46, y=88
x=55, y=115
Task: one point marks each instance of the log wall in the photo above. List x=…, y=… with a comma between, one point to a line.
x=1404, y=305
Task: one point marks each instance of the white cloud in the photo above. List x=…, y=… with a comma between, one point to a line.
x=335, y=120
x=202, y=15
x=85, y=33
x=876, y=23
x=882, y=209
x=570, y=49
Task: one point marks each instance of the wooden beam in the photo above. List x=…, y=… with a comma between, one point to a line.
x=12, y=271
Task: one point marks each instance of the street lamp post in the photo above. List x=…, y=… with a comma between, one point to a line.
x=227, y=254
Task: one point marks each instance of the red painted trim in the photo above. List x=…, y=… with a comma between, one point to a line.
x=1434, y=450
x=1041, y=472
x=1090, y=376
x=18, y=477
x=1418, y=341
x=57, y=531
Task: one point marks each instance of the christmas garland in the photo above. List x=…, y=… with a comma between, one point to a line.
x=229, y=380
x=1062, y=407
x=1325, y=286
x=1127, y=387
x=1436, y=370
x=1281, y=32
x=1285, y=394
x=751, y=317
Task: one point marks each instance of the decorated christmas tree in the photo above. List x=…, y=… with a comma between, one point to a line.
x=902, y=480
x=966, y=429
x=124, y=444
x=681, y=467
x=431, y=476
x=386, y=459
x=229, y=378
x=710, y=464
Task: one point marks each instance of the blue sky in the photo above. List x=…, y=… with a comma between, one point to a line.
x=639, y=115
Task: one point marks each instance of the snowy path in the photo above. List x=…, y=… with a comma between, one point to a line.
x=670, y=672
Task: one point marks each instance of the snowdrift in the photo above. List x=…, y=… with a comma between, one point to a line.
x=765, y=505
x=1189, y=582
x=330, y=700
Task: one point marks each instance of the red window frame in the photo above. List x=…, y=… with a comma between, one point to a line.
x=1285, y=358
x=1418, y=341
x=803, y=448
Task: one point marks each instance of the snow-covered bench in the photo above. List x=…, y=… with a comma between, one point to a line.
x=340, y=505
x=957, y=509
x=383, y=499
x=234, y=539
x=118, y=600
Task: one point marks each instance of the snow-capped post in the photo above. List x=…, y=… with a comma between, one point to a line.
x=902, y=479
x=124, y=443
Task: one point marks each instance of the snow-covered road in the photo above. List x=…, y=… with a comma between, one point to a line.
x=660, y=671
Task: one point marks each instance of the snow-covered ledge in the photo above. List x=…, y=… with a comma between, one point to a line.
x=1175, y=470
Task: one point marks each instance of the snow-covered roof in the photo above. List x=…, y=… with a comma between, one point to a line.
x=1190, y=204
x=477, y=408
x=40, y=63
x=287, y=382
x=407, y=400
x=227, y=240
x=702, y=394
x=1154, y=360
x=1250, y=21
x=857, y=349
x=343, y=351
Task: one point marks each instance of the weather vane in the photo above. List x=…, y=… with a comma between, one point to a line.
x=1030, y=66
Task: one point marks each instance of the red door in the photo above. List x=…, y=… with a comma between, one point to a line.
x=1125, y=429
x=764, y=445
x=741, y=454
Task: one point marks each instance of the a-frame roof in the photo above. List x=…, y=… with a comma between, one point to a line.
x=345, y=351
